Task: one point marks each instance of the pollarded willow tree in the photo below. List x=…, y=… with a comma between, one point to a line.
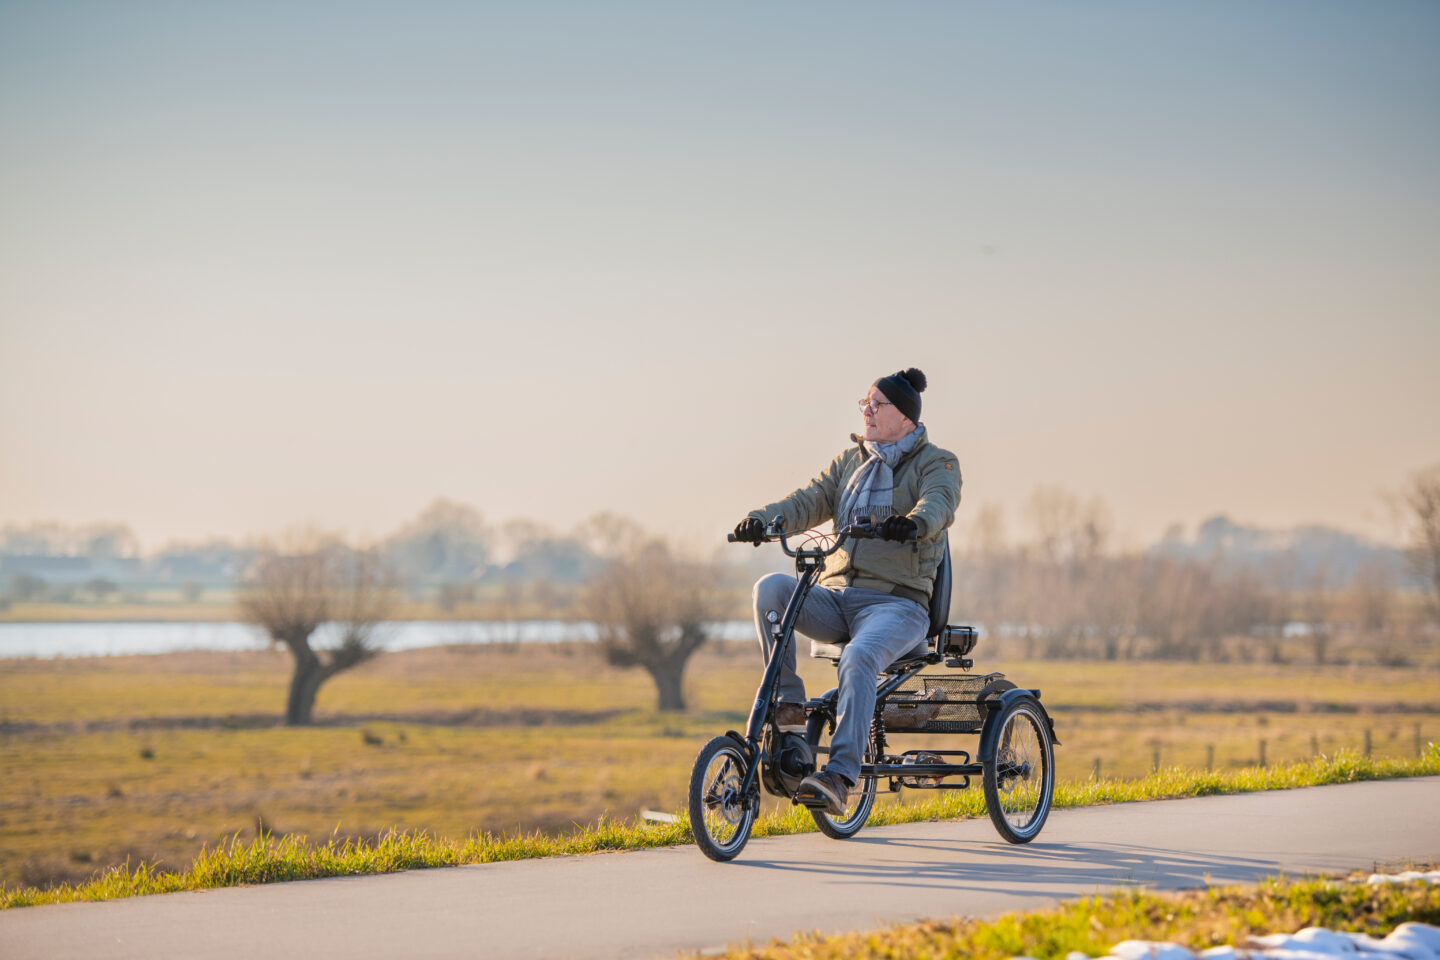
x=292, y=590
x=653, y=609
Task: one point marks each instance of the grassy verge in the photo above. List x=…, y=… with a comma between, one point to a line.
x=1198, y=919
x=154, y=759
x=267, y=859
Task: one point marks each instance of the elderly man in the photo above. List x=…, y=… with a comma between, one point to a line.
x=875, y=593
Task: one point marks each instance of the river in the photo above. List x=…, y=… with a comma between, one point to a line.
x=106, y=639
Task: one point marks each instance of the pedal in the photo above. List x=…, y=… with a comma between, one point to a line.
x=811, y=799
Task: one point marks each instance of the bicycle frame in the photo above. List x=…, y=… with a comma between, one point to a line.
x=808, y=564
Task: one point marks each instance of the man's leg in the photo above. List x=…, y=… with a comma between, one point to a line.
x=882, y=630
x=819, y=618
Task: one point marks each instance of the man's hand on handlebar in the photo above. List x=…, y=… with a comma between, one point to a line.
x=898, y=527
x=750, y=530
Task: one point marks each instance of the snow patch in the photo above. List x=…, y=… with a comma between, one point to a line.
x=1409, y=941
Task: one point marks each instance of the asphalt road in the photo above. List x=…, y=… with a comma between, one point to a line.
x=656, y=903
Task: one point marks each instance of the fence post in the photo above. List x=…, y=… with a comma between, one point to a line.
x=1209, y=756
x=1155, y=761
x=1262, y=753
x=1314, y=745
x=1095, y=773
x=1367, y=743
x=1418, y=750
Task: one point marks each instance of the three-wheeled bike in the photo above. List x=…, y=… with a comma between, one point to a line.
x=1014, y=756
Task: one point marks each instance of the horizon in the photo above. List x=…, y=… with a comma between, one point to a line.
x=501, y=529
x=266, y=267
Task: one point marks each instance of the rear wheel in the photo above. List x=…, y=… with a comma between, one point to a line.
x=1020, y=775
x=862, y=795
x=720, y=815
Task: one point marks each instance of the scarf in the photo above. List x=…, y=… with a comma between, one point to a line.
x=871, y=489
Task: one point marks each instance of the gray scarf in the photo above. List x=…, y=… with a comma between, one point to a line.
x=871, y=489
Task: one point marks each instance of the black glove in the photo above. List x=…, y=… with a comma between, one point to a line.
x=898, y=527
x=750, y=530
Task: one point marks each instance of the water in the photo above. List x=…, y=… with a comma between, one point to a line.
x=48, y=640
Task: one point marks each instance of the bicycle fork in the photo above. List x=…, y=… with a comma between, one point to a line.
x=782, y=632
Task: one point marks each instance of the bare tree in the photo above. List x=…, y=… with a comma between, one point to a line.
x=653, y=610
x=100, y=587
x=1071, y=533
x=1173, y=607
x=1316, y=606
x=24, y=586
x=1061, y=574
x=292, y=590
x=1282, y=573
x=981, y=572
x=1373, y=596
x=1422, y=501
x=1113, y=602
x=1374, y=611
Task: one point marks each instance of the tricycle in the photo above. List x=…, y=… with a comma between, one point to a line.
x=1014, y=757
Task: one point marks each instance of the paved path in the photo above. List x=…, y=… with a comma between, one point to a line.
x=655, y=903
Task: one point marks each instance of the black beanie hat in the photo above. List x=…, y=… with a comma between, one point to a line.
x=903, y=389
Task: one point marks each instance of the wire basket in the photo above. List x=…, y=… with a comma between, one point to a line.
x=926, y=704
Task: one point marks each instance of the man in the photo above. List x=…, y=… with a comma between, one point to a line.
x=876, y=593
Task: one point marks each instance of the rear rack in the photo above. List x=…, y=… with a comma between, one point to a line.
x=938, y=704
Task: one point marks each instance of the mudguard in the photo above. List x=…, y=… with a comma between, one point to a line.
x=740, y=741
x=995, y=706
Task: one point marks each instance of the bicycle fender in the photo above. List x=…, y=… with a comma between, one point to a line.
x=993, y=708
x=740, y=741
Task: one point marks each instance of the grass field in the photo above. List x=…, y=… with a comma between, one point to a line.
x=1198, y=919
x=153, y=758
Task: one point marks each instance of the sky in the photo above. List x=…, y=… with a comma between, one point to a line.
x=272, y=264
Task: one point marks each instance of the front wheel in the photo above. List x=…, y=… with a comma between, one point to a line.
x=721, y=816
x=1020, y=775
x=862, y=796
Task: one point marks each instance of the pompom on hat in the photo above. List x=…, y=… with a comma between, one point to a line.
x=903, y=389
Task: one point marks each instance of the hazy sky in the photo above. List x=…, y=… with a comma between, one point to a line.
x=264, y=264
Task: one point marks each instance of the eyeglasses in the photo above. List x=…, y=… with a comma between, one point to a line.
x=873, y=405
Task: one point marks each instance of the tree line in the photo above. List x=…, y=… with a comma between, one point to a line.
x=1063, y=592
x=1067, y=593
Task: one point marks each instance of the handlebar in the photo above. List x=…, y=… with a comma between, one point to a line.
x=859, y=529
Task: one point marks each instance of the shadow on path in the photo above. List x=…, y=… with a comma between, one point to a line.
x=1043, y=869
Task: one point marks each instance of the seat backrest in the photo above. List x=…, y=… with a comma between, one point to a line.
x=940, y=593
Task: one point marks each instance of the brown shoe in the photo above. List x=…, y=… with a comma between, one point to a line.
x=790, y=717
x=827, y=788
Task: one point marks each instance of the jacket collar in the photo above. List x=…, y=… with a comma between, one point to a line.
x=858, y=440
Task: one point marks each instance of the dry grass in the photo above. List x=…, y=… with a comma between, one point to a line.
x=268, y=858
x=1198, y=919
x=154, y=757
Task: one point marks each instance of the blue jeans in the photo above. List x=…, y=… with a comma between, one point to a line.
x=881, y=629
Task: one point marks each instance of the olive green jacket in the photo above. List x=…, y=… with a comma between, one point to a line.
x=927, y=489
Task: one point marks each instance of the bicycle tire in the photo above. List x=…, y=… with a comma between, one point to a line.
x=1019, y=773
x=862, y=797
x=720, y=818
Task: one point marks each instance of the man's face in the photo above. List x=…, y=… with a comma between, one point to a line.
x=884, y=423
